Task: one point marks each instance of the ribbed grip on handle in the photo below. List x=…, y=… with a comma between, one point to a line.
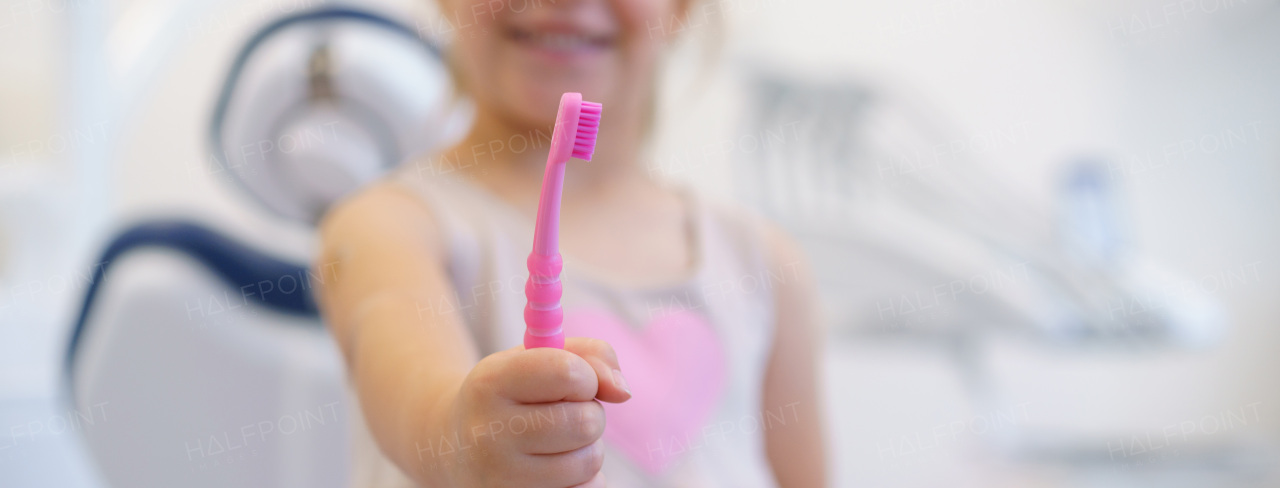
x=542, y=315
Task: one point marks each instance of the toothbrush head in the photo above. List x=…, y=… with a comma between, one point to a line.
x=584, y=142
x=577, y=123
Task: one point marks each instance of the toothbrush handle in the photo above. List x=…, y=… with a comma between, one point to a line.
x=542, y=315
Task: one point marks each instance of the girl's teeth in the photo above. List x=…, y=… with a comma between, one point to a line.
x=561, y=41
x=554, y=40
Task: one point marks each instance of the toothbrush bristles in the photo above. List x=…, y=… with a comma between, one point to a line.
x=584, y=143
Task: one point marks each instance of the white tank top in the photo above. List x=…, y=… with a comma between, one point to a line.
x=696, y=417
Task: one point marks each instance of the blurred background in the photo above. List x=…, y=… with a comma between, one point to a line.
x=1046, y=233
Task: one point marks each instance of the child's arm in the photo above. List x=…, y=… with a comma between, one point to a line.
x=794, y=444
x=419, y=376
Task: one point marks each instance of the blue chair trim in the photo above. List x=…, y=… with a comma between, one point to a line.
x=239, y=266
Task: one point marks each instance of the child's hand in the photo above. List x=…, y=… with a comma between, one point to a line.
x=532, y=416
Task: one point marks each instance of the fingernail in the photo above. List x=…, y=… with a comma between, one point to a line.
x=620, y=382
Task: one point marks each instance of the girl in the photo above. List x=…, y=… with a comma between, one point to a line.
x=696, y=321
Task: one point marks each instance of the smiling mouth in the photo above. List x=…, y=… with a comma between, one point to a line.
x=565, y=42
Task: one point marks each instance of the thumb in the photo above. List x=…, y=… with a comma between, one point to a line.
x=600, y=355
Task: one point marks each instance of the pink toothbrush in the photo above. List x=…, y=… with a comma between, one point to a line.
x=577, y=123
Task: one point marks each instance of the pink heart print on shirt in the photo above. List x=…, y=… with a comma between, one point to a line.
x=675, y=367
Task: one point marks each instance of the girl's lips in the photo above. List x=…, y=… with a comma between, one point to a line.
x=560, y=44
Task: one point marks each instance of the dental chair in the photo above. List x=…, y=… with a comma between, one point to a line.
x=207, y=365
x=204, y=358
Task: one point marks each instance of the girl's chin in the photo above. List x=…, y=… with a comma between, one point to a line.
x=544, y=86
x=531, y=112
x=540, y=101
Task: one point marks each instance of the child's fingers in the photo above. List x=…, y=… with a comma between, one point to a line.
x=578, y=467
x=573, y=468
x=542, y=375
x=555, y=428
x=597, y=481
x=600, y=355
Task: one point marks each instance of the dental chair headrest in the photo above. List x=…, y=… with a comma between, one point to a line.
x=318, y=103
